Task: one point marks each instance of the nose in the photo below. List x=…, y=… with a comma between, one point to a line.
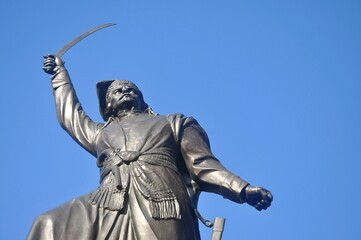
x=125, y=89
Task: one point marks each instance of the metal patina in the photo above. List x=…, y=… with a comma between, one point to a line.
x=152, y=168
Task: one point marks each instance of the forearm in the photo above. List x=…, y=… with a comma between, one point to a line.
x=70, y=114
x=204, y=168
x=60, y=78
x=66, y=101
x=212, y=176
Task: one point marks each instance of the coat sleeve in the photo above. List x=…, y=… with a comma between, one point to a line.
x=70, y=113
x=204, y=168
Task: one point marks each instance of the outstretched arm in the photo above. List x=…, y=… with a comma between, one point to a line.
x=211, y=175
x=70, y=113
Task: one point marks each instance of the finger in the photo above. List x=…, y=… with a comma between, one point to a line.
x=259, y=207
x=49, y=56
x=59, y=61
x=46, y=62
x=49, y=60
x=49, y=66
x=52, y=58
x=270, y=196
x=262, y=207
x=264, y=204
x=47, y=69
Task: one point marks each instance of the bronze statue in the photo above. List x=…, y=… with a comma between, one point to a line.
x=152, y=168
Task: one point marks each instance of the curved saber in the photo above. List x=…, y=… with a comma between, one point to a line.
x=79, y=38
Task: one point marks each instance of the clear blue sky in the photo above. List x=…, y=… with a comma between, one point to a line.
x=276, y=85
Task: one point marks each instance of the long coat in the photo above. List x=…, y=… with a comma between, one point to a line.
x=152, y=168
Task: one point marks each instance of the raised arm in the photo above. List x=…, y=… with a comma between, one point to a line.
x=210, y=174
x=70, y=113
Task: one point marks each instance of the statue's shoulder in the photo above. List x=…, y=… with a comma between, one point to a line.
x=180, y=119
x=176, y=117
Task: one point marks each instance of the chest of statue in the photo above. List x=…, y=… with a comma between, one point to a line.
x=142, y=132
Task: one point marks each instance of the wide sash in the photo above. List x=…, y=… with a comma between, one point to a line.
x=118, y=168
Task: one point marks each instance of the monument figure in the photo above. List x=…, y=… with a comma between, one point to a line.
x=152, y=168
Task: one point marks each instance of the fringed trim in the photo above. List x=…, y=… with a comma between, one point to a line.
x=111, y=200
x=165, y=208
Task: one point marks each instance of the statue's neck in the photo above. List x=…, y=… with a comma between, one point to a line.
x=127, y=112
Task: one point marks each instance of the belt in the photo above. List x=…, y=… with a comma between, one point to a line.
x=112, y=194
x=110, y=159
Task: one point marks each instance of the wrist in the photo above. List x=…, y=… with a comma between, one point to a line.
x=243, y=193
x=60, y=78
x=59, y=69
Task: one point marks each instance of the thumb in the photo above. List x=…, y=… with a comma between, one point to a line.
x=59, y=61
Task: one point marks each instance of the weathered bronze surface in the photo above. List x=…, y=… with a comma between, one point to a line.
x=152, y=168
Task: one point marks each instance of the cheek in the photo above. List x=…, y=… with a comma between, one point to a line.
x=113, y=101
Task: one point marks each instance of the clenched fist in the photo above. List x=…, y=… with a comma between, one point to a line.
x=258, y=197
x=52, y=64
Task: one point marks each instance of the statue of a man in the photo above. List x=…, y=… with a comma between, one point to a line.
x=152, y=168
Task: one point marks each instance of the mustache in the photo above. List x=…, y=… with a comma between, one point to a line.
x=128, y=95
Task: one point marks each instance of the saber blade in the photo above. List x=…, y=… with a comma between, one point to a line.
x=79, y=38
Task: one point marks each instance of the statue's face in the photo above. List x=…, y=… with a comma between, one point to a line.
x=124, y=97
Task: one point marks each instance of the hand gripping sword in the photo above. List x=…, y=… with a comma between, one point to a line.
x=79, y=38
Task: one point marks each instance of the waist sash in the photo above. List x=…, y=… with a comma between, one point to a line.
x=118, y=168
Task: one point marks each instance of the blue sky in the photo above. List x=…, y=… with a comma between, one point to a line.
x=276, y=85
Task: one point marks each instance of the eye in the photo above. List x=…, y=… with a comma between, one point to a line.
x=116, y=91
x=132, y=90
